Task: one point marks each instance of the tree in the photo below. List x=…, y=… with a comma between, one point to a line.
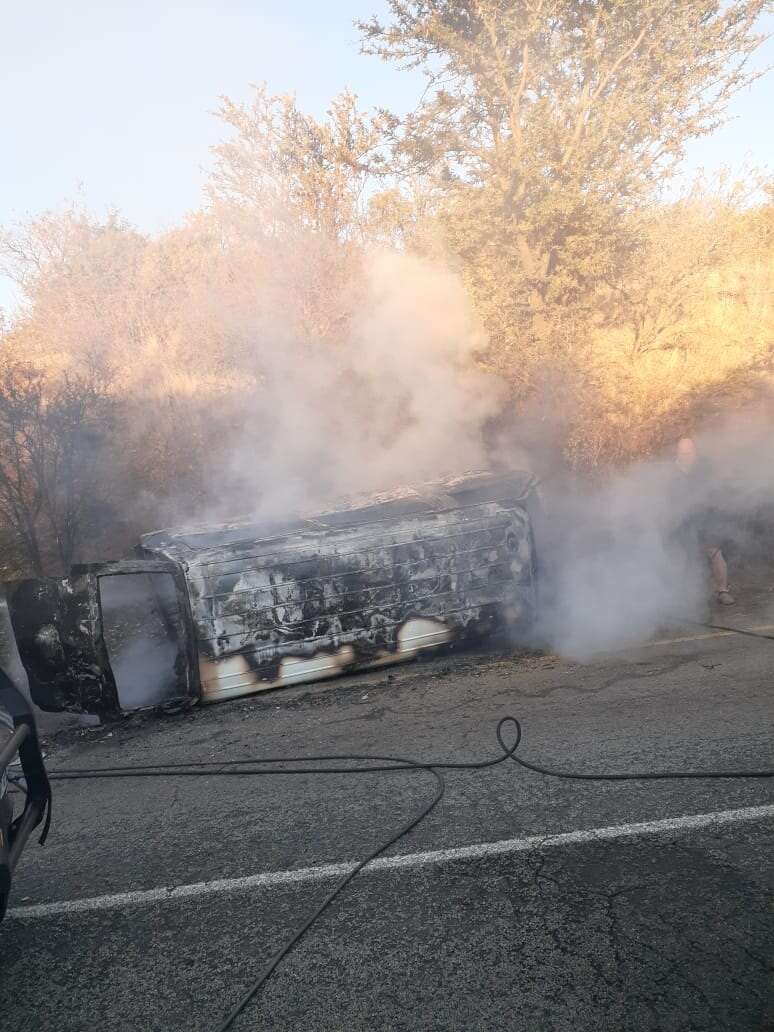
x=290, y=171
x=76, y=275
x=52, y=440
x=705, y=259
x=291, y=195
x=544, y=125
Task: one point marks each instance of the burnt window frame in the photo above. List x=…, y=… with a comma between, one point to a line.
x=187, y=659
x=85, y=683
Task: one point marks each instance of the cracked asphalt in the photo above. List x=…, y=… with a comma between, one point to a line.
x=660, y=932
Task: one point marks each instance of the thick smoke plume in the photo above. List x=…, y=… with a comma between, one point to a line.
x=398, y=399
x=617, y=564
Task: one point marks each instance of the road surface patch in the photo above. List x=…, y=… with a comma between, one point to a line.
x=327, y=872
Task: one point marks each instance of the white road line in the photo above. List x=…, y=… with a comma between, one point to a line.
x=327, y=872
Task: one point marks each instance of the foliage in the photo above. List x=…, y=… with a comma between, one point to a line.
x=543, y=124
x=51, y=447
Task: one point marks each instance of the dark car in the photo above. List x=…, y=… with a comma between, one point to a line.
x=18, y=737
x=19, y=751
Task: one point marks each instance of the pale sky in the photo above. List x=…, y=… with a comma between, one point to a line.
x=111, y=102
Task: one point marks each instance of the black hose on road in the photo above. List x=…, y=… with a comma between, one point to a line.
x=385, y=764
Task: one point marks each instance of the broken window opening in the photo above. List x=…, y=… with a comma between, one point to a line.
x=141, y=619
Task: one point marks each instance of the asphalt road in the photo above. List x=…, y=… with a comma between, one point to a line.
x=667, y=927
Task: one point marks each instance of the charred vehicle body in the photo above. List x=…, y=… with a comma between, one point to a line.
x=212, y=613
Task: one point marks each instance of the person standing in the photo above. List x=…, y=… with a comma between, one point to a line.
x=700, y=524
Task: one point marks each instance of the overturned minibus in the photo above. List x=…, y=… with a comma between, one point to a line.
x=211, y=613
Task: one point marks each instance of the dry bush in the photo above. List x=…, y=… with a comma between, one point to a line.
x=689, y=331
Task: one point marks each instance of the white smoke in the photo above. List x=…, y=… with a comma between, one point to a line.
x=398, y=400
x=617, y=564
